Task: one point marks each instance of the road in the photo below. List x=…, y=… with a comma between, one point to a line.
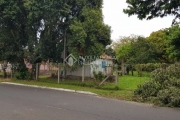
x=26, y=103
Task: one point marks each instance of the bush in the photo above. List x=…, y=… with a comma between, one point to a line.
x=23, y=75
x=22, y=72
x=159, y=75
x=174, y=71
x=147, y=90
x=98, y=76
x=169, y=97
x=164, y=88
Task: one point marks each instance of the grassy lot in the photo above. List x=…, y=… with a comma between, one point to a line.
x=126, y=84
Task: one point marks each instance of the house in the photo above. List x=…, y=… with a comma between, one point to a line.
x=103, y=64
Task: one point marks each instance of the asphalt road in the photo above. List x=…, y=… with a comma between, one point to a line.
x=26, y=103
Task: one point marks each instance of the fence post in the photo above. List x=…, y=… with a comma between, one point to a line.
x=64, y=72
x=11, y=71
x=83, y=73
x=116, y=67
x=58, y=72
x=36, y=71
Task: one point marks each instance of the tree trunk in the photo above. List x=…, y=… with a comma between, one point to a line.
x=122, y=67
x=33, y=73
x=4, y=73
x=132, y=72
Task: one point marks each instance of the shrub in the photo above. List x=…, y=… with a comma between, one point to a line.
x=148, y=89
x=23, y=75
x=98, y=76
x=174, y=71
x=164, y=88
x=159, y=75
x=169, y=97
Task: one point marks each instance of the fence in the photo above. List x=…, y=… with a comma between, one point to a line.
x=60, y=72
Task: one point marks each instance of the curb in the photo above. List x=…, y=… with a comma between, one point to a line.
x=50, y=88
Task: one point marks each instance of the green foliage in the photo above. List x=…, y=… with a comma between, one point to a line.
x=149, y=9
x=165, y=42
x=149, y=67
x=38, y=30
x=139, y=68
x=148, y=89
x=123, y=48
x=98, y=76
x=164, y=87
x=134, y=50
x=23, y=75
x=158, y=40
x=124, y=52
x=88, y=32
x=143, y=51
x=169, y=97
x=173, y=42
x=110, y=52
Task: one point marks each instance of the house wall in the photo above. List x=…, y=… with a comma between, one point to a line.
x=103, y=66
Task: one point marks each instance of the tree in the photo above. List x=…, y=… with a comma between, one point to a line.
x=149, y=9
x=88, y=34
x=110, y=51
x=173, y=42
x=13, y=32
x=124, y=50
x=135, y=50
x=158, y=40
x=143, y=52
x=36, y=30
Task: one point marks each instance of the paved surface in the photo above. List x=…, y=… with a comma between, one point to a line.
x=27, y=103
x=51, y=88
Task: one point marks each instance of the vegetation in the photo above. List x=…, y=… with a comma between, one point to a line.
x=149, y=9
x=164, y=89
x=98, y=76
x=173, y=42
x=159, y=41
x=127, y=84
x=38, y=31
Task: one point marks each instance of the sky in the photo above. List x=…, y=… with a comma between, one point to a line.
x=122, y=25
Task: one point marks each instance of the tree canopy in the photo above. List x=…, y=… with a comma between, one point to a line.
x=173, y=42
x=149, y=9
x=134, y=50
x=158, y=40
x=38, y=30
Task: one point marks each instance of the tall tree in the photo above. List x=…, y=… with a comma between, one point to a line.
x=13, y=32
x=88, y=34
x=36, y=30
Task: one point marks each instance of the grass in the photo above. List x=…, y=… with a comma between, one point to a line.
x=126, y=84
x=5, y=80
x=1, y=73
x=110, y=92
x=131, y=82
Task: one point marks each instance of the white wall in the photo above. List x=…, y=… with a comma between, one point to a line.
x=97, y=66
